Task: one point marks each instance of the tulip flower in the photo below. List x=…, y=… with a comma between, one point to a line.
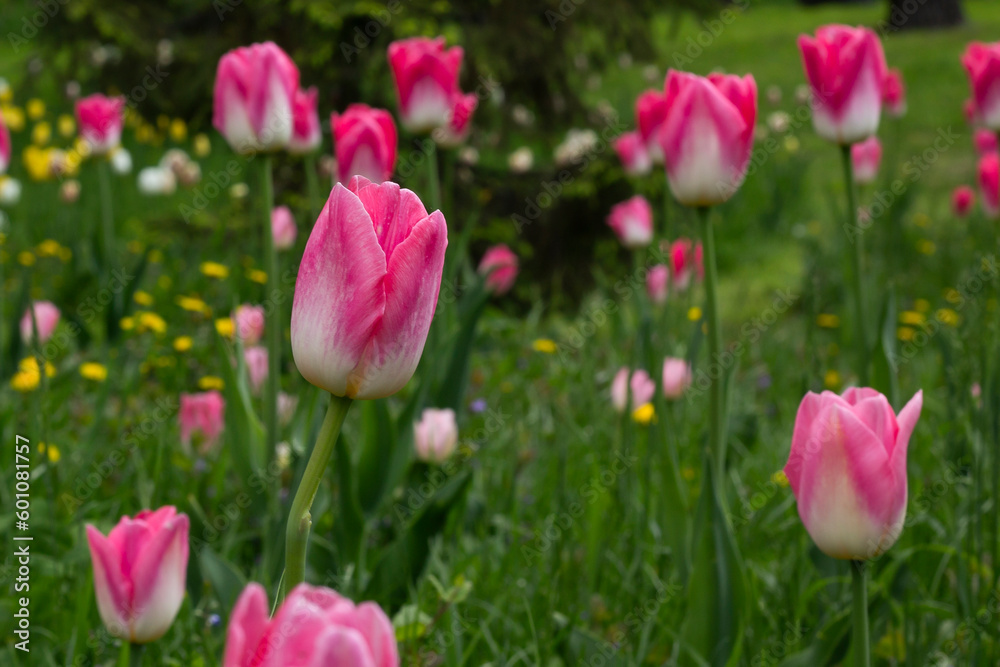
x=435, y=436
x=686, y=261
x=248, y=323
x=656, y=284
x=962, y=200
x=676, y=377
x=847, y=469
x=846, y=69
x=650, y=114
x=306, y=133
x=985, y=140
x=499, y=265
x=982, y=62
x=633, y=153
x=364, y=140
x=314, y=626
x=46, y=317
x=253, y=100
x=426, y=78
x=4, y=146
x=140, y=570
x=287, y=403
x=708, y=135
x=255, y=359
x=100, y=121
x=632, y=222
x=641, y=386
x=202, y=414
x=283, y=228
x=866, y=156
x=366, y=290
x=456, y=131
x=894, y=93
x=989, y=184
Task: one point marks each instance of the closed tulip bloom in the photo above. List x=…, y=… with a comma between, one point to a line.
x=985, y=140
x=426, y=77
x=456, y=131
x=283, y=229
x=847, y=469
x=708, y=135
x=255, y=359
x=962, y=200
x=866, y=156
x=633, y=154
x=500, y=267
x=46, y=317
x=989, y=184
x=982, y=62
x=315, y=626
x=100, y=121
x=435, y=436
x=4, y=146
x=846, y=68
x=253, y=100
x=306, y=132
x=140, y=570
x=632, y=222
x=248, y=323
x=676, y=377
x=639, y=385
x=650, y=114
x=364, y=141
x=657, y=282
x=202, y=414
x=894, y=93
x=366, y=290
x=686, y=262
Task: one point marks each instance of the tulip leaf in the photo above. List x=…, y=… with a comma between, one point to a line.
x=884, y=376
x=222, y=576
x=349, y=521
x=452, y=387
x=376, y=445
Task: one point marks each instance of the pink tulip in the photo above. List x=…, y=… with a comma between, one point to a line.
x=686, y=262
x=202, y=414
x=367, y=289
x=632, y=222
x=46, y=317
x=456, y=131
x=962, y=200
x=254, y=91
x=982, y=62
x=894, y=93
x=500, y=267
x=314, y=627
x=255, y=359
x=426, y=77
x=100, y=120
x=364, y=141
x=435, y=436
x=847, y=469
x=989, y=184
x=650, y=115
x=140, y=570
x=846, y=68
x=248, y=323
x=4, y=146
x=656, y=284
x=676, y=377
x=633, y=153
x=306, y=133
x=866, y=156
x=283, y=229
x=641, y=386
x=708, y=135
x=985, y=140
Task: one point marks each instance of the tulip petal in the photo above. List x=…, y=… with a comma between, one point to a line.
x=372, y=623
x=802, y=446
x=907, y=420
x=159, y=578
x=112, y=593
x=877, y=415
x=342, y=646
x=247, y=625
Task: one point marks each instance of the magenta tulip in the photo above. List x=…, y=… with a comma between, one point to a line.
x=306, y=132
x=989, y=184
x=650, y=115
x=633, y=154
x=707, y=136
x=253, y=101
x=657, y=282
x=203, y=415
x=676, y=377
x=632, y=222
x=985, y=141
x=4, y=146
x=248, y=323
x=255, y=359
x=140, y=570
x=962, y=200
x=364, y=141
x=283, y=229
x=866, y=156
x=846, y=69
x=982, y=62
x=686, y=262
x=46, y=317
x=847, y=469
x=314, y=627
x=367, y=289
x=426, y=77
x=894, y=93
x=100, y=120
x=640, y=389
x=499, y=265
x=456, y=131
x=435, y=436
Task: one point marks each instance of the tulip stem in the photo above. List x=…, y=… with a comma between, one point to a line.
x=433, y=185
x=299, y=518
x=717, y=397
x=859, y=585
x=857, y=260
x=108, y=242
x=312, y=186
x=274, y=319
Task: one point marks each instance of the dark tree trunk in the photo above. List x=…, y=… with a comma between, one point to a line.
x=907, y=14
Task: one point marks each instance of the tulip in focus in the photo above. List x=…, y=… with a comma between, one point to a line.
x=253, y=100
x=632, y=222
x=633, y=154
x=456, y=131
x=248, y=323
x=140, y=570
x=708, y=134
x=426, y=77
x=982, y=62
x=640, y=388
x=255, y=359
x=306, y=133
x=894, y=93
x=499, y=265
x=100, y=121
x=847, y=469
x=435, y=436
x=202, y=414
x=366, y=290
x=650, y=114
x=985, y=140
x=314, y=626
x=657, y=282
x=962, y=200
x=846, y=68
x=283, y=229
x=676, y=377
x=364, y=141
x=46, y=317
x=989, y=184
x=866, y=156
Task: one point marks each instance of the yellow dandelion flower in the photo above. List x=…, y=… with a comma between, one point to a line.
x=780, y=479
x=156, y=256
x=66, y=125
x=178, y=130
x=202, y=145
x=214, y=270
x=144, y=134
x=952, y=295
x=127, y=323
x=905, y=334
x=644, y=414
x=25, y=382
x=94, y=371
x=53, y=453
x=922, y=305
x=827, y=320
x=926, y=247
x=143, y=298
x=48, y=248
x=545, y=345
x=225, y=327
x=912, y=317
x=41, y=133
x=694, y=313
x=30, y=365
x=193, y=304
x=149, y=321
x=947, y=316
x=13, y=117
x=832, y=379
x=183, y=343
x=38, y=162
x=210, y=382
x=257, y=276
x=26, y=258
x=35, y=108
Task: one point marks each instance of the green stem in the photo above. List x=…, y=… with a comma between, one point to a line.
x=108, y=241
x=717, y=396
x=859, y=586
x=312, y=186
x=135, y=655
x=433, y=185
x=274, y=320
x=857, y=261
x=299, y=518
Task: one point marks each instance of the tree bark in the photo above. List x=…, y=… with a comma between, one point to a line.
x=909, y=14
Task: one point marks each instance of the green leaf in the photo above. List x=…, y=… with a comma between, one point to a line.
x=224, y=579
x=884, y=376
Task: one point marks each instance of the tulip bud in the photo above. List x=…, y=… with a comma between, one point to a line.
x=459, y=123
x=982, y=62
x=865, y=157
x=500, y=267
x=46, y=316
x=656, y=284
x=962, y=200
x=306, y=133
x=894, y=93
x=633, y=154
x=283, y=228
x=650, y=114
x=676, y=377
x=248, y=323
x=255, y=359
x=364, y=140
x=985, y=140
x=100, y=121
x=686, y=262
x=202, y=414
x=989, y=184
x=632, y=222
x=426, y=78
x=435, y=436
x=641, y=386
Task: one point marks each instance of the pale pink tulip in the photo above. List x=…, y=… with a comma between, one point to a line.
x=456, y=131
x=962, y=200
x=435, y=436
x=866, y=156
x=650, y=115
x=657, y=282
x=499, y=265
x=255, y=359
x=283, y=229
x=248, y=323
x=202, y=414
x=632, y=222
x=100, y=120
x=989, y=184
x=633, y=154
x=426, y=77
x=894, y=93
x=982, y=62
x=46, y=317
x=640, y=389
x=364, y=141
x=306, y=132
x=676, y=377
